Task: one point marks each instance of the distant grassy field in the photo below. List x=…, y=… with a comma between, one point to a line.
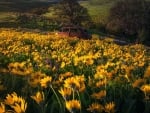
x=99, y=10
x=7, y=17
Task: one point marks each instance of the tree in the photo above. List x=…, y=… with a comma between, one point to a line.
x=70, y=11
x=130, y=17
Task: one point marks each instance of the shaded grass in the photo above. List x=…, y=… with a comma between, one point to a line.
x=22, y=6
x=8, y=10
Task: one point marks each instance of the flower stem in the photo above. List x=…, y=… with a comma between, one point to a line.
x=79, y=99
x=56, y=96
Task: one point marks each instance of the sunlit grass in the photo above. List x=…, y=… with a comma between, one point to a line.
x=7, y=17
x=99, y=12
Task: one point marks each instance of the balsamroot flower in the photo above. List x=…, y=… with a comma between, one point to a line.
x=138, y=83
x=95, y=108
x=76, y=83
x=20, y=107
x=17, y=103
x=100, y=83
x=63, y=64
x=73, y=105
x=147, y=72
x=45, y=82
x=2, y=108
x=11, y=99
x=110, y=107
x=35, y=78
x=146, y=88
x=65, y=92
x=38, y=97
x=20, y=68
x=72, y=83
x=99, y=95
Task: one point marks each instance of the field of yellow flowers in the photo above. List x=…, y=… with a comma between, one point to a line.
x=47, y=73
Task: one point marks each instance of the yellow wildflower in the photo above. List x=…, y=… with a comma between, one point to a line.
x=110, y=107
x=15, y=102
x=95, y=108
x=75, y=83
x=147, y=72
x=39, y=97
x=11, y=98
x=100, y=73
x=81, y=80
x=146, y=89
x=141, y=64
x=65, y=75
x=45, y=82
x=35, y=78
x=2, y=108
x=138, y=83
x=89, y=61
x=20, y=107
x=73, y=105
x=99, y=95
x=101, y=83
x=20, y=68
x=63, y=64
x=65, y=92
x=72, y=83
